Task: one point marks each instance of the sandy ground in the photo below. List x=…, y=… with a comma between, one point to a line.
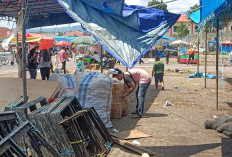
x=177, y=131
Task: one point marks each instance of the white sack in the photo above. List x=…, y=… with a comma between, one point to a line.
x=94, y=89
x=68, y=84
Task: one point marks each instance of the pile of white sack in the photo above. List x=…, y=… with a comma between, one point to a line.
x=92, y=89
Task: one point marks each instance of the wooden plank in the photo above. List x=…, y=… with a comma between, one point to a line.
x=131, y=134
x=12, y=88
x=134, y=148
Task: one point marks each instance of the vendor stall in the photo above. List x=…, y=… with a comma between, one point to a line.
x=184, y=59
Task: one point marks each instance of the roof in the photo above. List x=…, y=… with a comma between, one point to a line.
x=3, y=32
x=75, y=33
x=183, y=18
x=48, y=12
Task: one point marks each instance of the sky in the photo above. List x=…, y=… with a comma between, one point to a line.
x=174, y=7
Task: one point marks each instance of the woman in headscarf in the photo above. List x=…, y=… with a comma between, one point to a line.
x=45, y=64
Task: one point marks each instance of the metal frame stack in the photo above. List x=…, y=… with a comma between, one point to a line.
x=46, y=120
x=10, y=133
x=87, y=134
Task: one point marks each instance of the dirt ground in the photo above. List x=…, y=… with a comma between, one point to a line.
x=177, y=131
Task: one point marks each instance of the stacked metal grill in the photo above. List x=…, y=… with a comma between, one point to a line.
x=87, y=134
x=46, y=120
x=11, y=132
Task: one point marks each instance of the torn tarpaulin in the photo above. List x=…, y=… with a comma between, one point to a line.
x=127, y=32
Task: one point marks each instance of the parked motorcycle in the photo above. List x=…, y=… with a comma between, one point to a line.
x=108, y=63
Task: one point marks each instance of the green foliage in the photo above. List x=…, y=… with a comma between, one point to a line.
x=182, y=30
x=158, y=5
x=193, y=9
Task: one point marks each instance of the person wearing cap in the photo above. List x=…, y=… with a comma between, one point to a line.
x=132, y=78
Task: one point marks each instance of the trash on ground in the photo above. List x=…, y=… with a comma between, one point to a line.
x=226, y=117
x=168, y=104
x=224, y=126
x=145, y=155
x=115, y=130
x=135, y=142
x=214, y=116
x=201, y=75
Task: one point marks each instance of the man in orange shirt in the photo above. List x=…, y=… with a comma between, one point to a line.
x=191, y=53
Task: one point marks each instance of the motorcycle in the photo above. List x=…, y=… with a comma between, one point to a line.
x=108, y=63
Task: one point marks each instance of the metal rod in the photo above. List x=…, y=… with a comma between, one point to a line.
x=217, y=49
x=206, y=50
x=101, y=60
x=198, y=49
x=24, y=52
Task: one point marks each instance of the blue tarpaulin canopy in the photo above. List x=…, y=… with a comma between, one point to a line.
x=68, y=39
x=127, y=32
x=210, y=9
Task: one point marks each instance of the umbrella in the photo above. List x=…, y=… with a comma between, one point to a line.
x=179, y=43
x=63, y=43
x=84, y=40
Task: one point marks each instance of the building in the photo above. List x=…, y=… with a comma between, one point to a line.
x=182, y=20
x=226, y=33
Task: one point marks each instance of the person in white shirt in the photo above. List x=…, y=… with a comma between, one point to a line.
x=96, y=57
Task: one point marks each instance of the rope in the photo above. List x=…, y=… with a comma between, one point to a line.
x=68, y=152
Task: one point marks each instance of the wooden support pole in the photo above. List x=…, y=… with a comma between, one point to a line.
x=24, y=52
x=198, y=49
x=101, y=60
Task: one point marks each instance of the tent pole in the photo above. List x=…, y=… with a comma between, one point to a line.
x=206, y=50
x=101, y=60
x=17, y=46
x=24, y=52
x=217, y=49
x=198, y=49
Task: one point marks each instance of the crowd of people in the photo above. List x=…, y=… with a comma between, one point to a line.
x=48, y=61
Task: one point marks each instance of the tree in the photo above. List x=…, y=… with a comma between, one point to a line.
x=158, y=5
x=193, y=9
x=182, y=30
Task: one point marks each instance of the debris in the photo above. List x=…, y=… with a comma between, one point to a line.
x=168, y=104
x=221, y=126
x=134, y=148
x=225, y=117
x=115, y=130
x=135, y=142
x=176, y=119
x=214, y=116
x=145, y=155
x=180, y=90
x=177, y=70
